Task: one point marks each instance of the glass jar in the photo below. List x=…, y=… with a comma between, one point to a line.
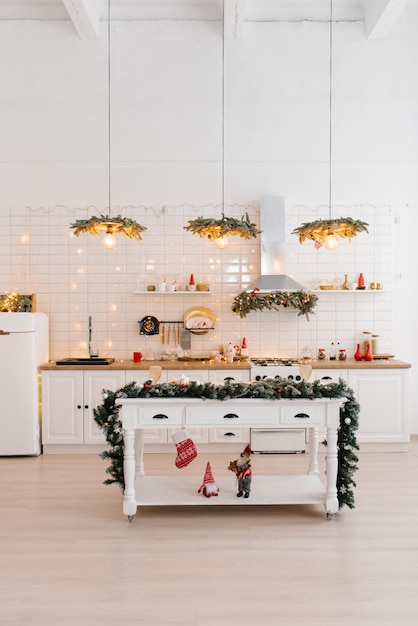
x=367, y=340
x=342, y=355
x=321, y=354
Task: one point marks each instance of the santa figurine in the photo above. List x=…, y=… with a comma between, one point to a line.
x=242, y=470
x=208, y=487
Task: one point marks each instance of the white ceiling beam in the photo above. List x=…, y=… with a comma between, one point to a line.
x=381, y=15
x=234, y=14
x=85, y=15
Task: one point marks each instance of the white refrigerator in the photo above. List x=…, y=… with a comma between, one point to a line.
x=23, y=348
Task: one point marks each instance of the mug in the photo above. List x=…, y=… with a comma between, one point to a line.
x=137, y=356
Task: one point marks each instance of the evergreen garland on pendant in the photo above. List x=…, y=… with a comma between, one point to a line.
x=246, y=302
x=106, y=417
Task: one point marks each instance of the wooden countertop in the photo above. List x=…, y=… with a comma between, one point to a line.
x=352, y=364
x=243, y=365
x=144, y=365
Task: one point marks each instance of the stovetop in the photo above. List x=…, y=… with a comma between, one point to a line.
x=270, y=361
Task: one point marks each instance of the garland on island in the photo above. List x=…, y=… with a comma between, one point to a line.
x=246, y=302
x=106, y=416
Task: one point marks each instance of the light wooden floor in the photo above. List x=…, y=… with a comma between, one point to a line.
x=70, y=558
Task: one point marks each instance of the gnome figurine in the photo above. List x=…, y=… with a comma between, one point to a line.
x=242, y=470
x=208, y=487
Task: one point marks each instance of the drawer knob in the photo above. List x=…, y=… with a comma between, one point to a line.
x=302, y=415
x=160, y=416
x=231, y=416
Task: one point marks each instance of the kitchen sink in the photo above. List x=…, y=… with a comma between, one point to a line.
x=90, y=361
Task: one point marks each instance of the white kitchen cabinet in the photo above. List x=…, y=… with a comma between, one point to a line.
x=62, y=407
x=68, y=400
x=384, y=408
x=94, y=384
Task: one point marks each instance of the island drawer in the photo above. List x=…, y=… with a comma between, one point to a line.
x=161, y=416
x=229, y=435
x=303, y=415
x=233, y=417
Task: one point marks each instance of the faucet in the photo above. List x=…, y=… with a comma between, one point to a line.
x=91, y=353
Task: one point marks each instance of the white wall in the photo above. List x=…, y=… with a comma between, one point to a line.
x=167, y=151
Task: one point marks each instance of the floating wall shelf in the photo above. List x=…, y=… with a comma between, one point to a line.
x=174, y=293
x=373, y=291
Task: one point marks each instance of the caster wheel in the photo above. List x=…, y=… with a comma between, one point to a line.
x=130, y=518
x=329, y=516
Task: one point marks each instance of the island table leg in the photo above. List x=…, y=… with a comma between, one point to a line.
x=331, y=499
x=313, y=452
x=129, y=496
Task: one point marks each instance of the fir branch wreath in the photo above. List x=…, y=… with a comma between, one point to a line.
x=302, y=301
x=319, y=230
x=99, y=225
x=106, y=416
x=213, y=228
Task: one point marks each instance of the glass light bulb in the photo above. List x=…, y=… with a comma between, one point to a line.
x=331, y=242
x=222, y=242
x=109, y=241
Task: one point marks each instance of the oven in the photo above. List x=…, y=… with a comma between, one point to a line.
x=275, y=441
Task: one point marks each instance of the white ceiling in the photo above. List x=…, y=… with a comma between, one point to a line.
x=379, y=15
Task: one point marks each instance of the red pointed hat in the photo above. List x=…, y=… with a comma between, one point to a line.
x=247, y=450
x=208, y=478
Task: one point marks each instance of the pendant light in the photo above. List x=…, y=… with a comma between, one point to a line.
x=106, y=224
x=326, y=232
x=218, y=229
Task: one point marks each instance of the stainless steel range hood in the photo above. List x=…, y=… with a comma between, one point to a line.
x=272, y=224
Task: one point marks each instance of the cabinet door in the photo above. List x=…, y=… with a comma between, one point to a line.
x=384, y=409
x=220, y=377
x=62, y=407
x=94, y=383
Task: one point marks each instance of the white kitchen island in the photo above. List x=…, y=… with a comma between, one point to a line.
x=138, y=414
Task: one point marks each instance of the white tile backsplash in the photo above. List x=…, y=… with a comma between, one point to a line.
x=75, y=277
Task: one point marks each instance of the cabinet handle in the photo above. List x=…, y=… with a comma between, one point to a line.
x=231, y=416
x=160, y=416
x=229, y=434
x=86, y=406
x=302, y=415
x=228, y=379
x=78, y=406
x=326, y=378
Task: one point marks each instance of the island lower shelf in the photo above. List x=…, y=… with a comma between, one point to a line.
x=267, y=490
